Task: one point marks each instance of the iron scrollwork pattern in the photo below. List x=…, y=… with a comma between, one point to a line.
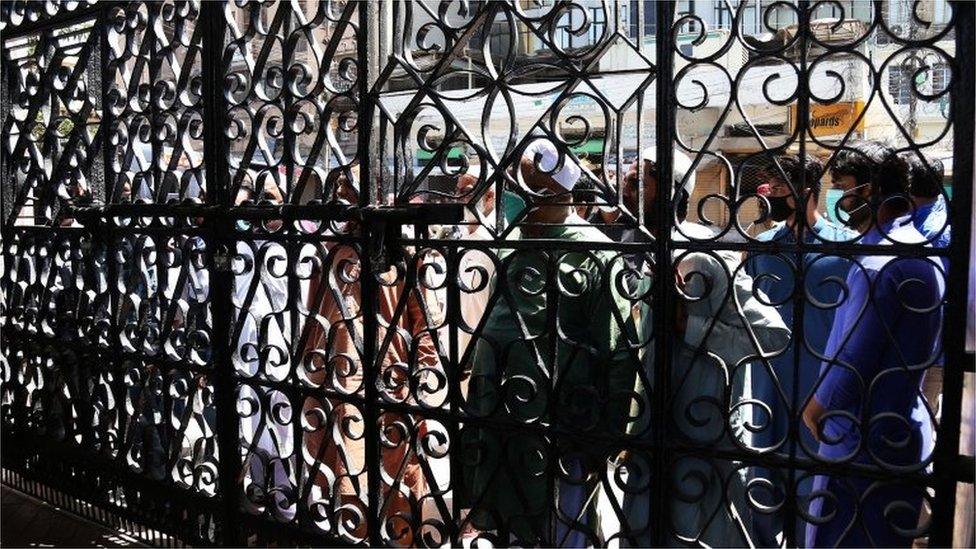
x=110, y=311
x=555, y=273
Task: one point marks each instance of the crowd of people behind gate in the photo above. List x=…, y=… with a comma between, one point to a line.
x=863, y=381
x=856, y=377
x=863, y=378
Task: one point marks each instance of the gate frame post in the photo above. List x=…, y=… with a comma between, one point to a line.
x=217, y=227
x=663, y=296
x=947, y=465
x=367, y=52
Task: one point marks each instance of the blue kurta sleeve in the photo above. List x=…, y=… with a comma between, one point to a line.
x=857, y=349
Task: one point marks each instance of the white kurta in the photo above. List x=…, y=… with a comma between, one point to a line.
x=728, y=325
x=262, y=350
x=475, y=270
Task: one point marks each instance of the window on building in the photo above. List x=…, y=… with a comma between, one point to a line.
x=862, y=11
x=931, y=81
x=899, y=13
x=749, y=20
x=500, y=39
x=941, y=78
x=563, y=37
x=634, y=18
x=722, y=15
x=849, y=9
x=650, y=18
x=687, y=7
x=899, y=17
x=573, y=19
x=598, y=24
x=899, y=84
x=754, y=13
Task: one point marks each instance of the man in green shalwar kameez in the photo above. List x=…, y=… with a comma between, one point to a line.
x=554, y=353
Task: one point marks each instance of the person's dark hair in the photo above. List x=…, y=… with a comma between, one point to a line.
x=585, y=190
x=681, y=202
x=808, y=171
x=875, y=163
x=924, y=176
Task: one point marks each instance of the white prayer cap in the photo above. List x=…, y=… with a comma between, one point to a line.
x=473, y=171
x=568, y=174
x=680, y=166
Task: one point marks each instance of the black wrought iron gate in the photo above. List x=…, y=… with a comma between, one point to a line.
x=284, y=271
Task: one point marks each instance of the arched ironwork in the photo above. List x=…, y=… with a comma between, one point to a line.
x=285, y=271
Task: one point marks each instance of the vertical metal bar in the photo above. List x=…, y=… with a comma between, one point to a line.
x=7, y=68
x=550, y=355
x=219, y=247
x=154, y=67
x=664, y=306
x=292, y=249
x=288, y=139
x=794, y=429
x=112, y=259
x=297, y=397
x=454, y=366
x=957, y=288
x=7, y=72
x=366, y=44
x=368, y=51
x=98, y=172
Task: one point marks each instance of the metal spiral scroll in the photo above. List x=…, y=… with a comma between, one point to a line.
x=221, y=216
x=717, y=469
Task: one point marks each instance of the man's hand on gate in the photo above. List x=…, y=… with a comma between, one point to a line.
x=813, y=412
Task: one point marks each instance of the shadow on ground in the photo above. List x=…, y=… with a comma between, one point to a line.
x=29, y=522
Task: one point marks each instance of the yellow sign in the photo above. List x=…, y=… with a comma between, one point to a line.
x=834, y=119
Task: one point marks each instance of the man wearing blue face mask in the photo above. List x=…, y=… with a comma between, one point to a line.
x=860, y=212
x=793, y=188
x=866, y=407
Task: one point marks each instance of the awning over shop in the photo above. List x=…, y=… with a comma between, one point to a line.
x=452, y=154
x=588, y=147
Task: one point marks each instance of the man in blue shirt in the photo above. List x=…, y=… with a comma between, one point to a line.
x=866, y=406
x=792, y=182
x=931, y=214
x=931, y=218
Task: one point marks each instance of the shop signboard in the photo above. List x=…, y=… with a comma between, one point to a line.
x=834, y=119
